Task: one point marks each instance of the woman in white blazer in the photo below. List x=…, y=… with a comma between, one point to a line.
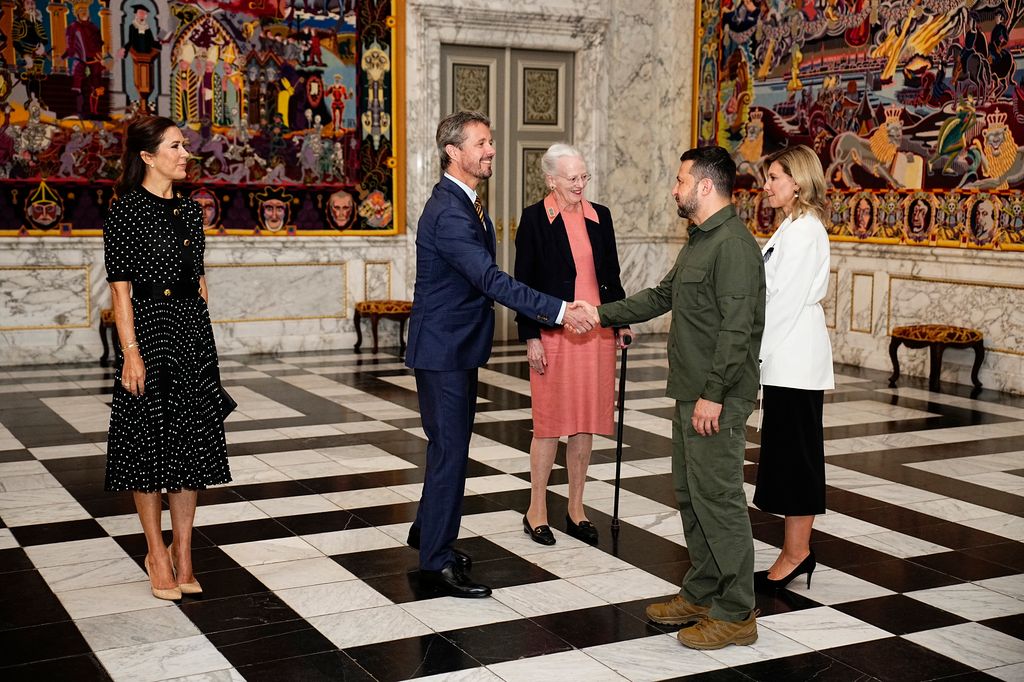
x=796, y=361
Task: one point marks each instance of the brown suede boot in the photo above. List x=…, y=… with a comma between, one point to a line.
x=678, y=611
x=711, y=633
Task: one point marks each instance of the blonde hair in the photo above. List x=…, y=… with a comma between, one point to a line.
x=802, y=164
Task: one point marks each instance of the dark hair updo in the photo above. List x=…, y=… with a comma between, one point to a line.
x=143, y=135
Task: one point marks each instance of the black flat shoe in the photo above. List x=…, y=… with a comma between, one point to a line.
x=461, y=559
x=453, y=582
x=540, y=534
x=763, y=582
x=584, y=530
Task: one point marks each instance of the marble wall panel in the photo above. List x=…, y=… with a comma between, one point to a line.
x=862, y=303
x=45, y=297
x=377, y=279
x=829, y=304
x=996, y=309
x=277, y=291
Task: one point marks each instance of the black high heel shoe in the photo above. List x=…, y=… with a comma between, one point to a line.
x=584, y=530
x=541, y=534
x=807, y=566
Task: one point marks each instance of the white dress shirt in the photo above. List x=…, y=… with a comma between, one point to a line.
x=795, y=349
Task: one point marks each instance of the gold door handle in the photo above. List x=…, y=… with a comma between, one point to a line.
x=499, y=230
x=512, y=228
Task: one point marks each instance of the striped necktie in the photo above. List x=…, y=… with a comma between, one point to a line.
x=479, y=206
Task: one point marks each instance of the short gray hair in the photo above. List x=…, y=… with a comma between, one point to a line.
x=556, y=152
x=452, y=130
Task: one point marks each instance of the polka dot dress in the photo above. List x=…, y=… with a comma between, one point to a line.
x=171, y=437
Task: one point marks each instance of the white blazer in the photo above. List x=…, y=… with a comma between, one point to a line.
x=795, y=349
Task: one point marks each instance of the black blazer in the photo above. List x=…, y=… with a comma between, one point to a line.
x=544, y=259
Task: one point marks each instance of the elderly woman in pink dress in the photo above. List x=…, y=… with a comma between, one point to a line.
x=565, y=247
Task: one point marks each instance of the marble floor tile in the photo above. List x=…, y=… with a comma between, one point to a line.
x=296, y=505
x=552, y=596
x=21, y=468
x=34, y=498
x=481, y=485
x=664, y=524
x=606, y=471
x=567, y=666
x=291, y=458
x=949, y=509
x=467, y=675
x=836, y=587
x=117, y=630
x=369, y=497
x=299, y=472
x=343, y=453
x=368, y=426
x=271, y=551
x=10, y=484
x=347, y=541
x=493, y=522
x=843, y=526
x=592, y=492
x=162, y=660
x=369, y=626
x=7, y=540
x=520, y=543
x=409, y=491
x=630, y=504
x=971, y=601
x=63, y=553
x=87, y=574
x=253, y=436
x=449, y=613
x=48, y=513
x=101, y=601
x=656, y=465
x=1005, y=525
x=972, y=644
x=1012, y=585
x=997, y=480
x=128, y=524
x=319, y=600
x=65, y=451
x=568, y=563
x=653, y=658
x=622, y=586
x=898, y=544
x=300, y=573
x=1008, y=673
x=369, y=465
x=232, y=512
x=770, y=645
x=821, y=628
x=896, y=493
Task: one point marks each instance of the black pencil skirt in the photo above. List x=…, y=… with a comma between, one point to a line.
x=791, y=470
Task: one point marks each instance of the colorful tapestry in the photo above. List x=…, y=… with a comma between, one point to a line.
x=915, y=107
x=289, y=107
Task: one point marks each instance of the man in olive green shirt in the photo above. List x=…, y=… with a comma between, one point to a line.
x=716, y=293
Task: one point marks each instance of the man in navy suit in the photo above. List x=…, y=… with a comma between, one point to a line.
x=450, y=333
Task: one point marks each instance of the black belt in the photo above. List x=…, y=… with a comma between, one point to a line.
x=144, y=290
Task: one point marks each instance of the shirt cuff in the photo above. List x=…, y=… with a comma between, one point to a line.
x=561, y=313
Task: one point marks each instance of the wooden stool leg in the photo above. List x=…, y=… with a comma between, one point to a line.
x=979, y=355
x=374, y=319
x=359, y=330
x=401, y=337
x=894, y=344
x=935, y=371
x=106, y=346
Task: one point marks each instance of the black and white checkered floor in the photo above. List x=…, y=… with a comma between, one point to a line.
x=920, y=557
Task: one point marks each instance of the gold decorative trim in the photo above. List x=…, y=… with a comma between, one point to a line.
x=853, y=289
x=88, y=298
x=288, y=318
x=942, y=280
x=695, y=76
x=366, y=276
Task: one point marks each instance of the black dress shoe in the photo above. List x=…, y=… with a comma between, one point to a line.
x=584, y=530
x=453, y=582
x=541, y=534
x=764, y=583
x=461, y=559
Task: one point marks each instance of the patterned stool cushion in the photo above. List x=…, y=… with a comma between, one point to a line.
x=107, y=317
x=937, y=333
x=383, y=307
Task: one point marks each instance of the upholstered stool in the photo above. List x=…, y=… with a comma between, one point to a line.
x=108, y=326
x=937, y=337
x=388, y=309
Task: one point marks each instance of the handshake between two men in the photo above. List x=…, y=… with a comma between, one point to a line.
x=581, y=317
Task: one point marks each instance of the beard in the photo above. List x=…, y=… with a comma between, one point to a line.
x=687, y=205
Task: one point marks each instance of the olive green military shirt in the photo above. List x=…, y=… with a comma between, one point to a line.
x=716, y=293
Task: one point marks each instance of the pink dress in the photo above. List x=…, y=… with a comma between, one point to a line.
x=576, y=393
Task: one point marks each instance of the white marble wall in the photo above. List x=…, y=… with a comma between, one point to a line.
x=880, y=287
x=266, y=295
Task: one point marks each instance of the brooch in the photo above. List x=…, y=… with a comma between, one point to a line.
x=551, y=212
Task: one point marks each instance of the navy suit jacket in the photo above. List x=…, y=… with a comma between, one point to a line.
x=457, y=282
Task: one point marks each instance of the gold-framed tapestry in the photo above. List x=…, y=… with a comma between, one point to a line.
x=915, y=108
x=292, y=109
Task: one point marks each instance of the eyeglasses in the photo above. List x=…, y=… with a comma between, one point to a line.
x=578, y=179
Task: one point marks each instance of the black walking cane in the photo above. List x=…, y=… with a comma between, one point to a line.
x=627, y=339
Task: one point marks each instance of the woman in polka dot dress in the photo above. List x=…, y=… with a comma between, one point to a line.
x=166, y=429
